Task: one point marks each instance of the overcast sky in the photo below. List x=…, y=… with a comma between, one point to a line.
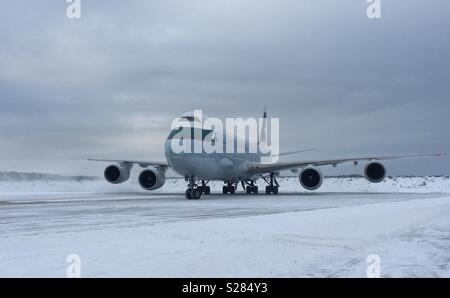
x=109, y=84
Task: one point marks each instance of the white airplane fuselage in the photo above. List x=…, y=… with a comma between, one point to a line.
x=228, y=167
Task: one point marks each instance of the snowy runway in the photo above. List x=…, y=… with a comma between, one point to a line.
x=85, y=211
x=162, y=234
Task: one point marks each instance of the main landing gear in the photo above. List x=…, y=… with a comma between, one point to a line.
x=251, y=188
x=195, y=191
x=206, y=190
x=230, y=188
x=272, y=187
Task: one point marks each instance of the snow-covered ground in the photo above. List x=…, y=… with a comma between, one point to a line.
x=288, y=184
x=122, y=231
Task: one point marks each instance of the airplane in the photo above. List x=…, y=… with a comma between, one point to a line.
x=199, y=168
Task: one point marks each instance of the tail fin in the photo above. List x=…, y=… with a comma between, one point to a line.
x=263, y=134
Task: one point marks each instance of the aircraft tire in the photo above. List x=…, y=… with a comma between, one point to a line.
x=187, y=194
x=196, y=193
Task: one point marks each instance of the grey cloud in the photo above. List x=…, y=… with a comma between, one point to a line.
x=110, y=84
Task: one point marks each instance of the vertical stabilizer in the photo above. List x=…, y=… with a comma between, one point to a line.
x=263, y=133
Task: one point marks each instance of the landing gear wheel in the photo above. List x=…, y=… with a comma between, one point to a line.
x=225, y=190
x=193, y=192
x=206, y=190
x=271, y=190
x=196, y=193
x=187, y=194
x=228, y=189
x=251, y=189
x=275, y=190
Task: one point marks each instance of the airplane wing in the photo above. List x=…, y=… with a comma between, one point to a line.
x=295, y=152
x=260, y=168
x=142, y=163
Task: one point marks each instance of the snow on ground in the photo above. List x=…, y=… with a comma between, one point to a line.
x=288, y=184
x=135, y=233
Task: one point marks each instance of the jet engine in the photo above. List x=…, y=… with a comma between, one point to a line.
x=311, y=178
x=116, y=174
x=375, y=172
x=151, y=179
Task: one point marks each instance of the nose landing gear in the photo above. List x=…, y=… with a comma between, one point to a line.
x=193, y=192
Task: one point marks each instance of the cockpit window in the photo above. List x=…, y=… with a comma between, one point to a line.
x=191, y=118
x=190, y=133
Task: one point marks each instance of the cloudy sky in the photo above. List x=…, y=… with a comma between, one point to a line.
x=109, y=84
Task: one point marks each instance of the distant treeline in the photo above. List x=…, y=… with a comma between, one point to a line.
x=21, y=176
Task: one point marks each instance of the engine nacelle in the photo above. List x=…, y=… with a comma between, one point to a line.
x=116, y=174
x=375, y=172
x=151, y=179
x=311, y=178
